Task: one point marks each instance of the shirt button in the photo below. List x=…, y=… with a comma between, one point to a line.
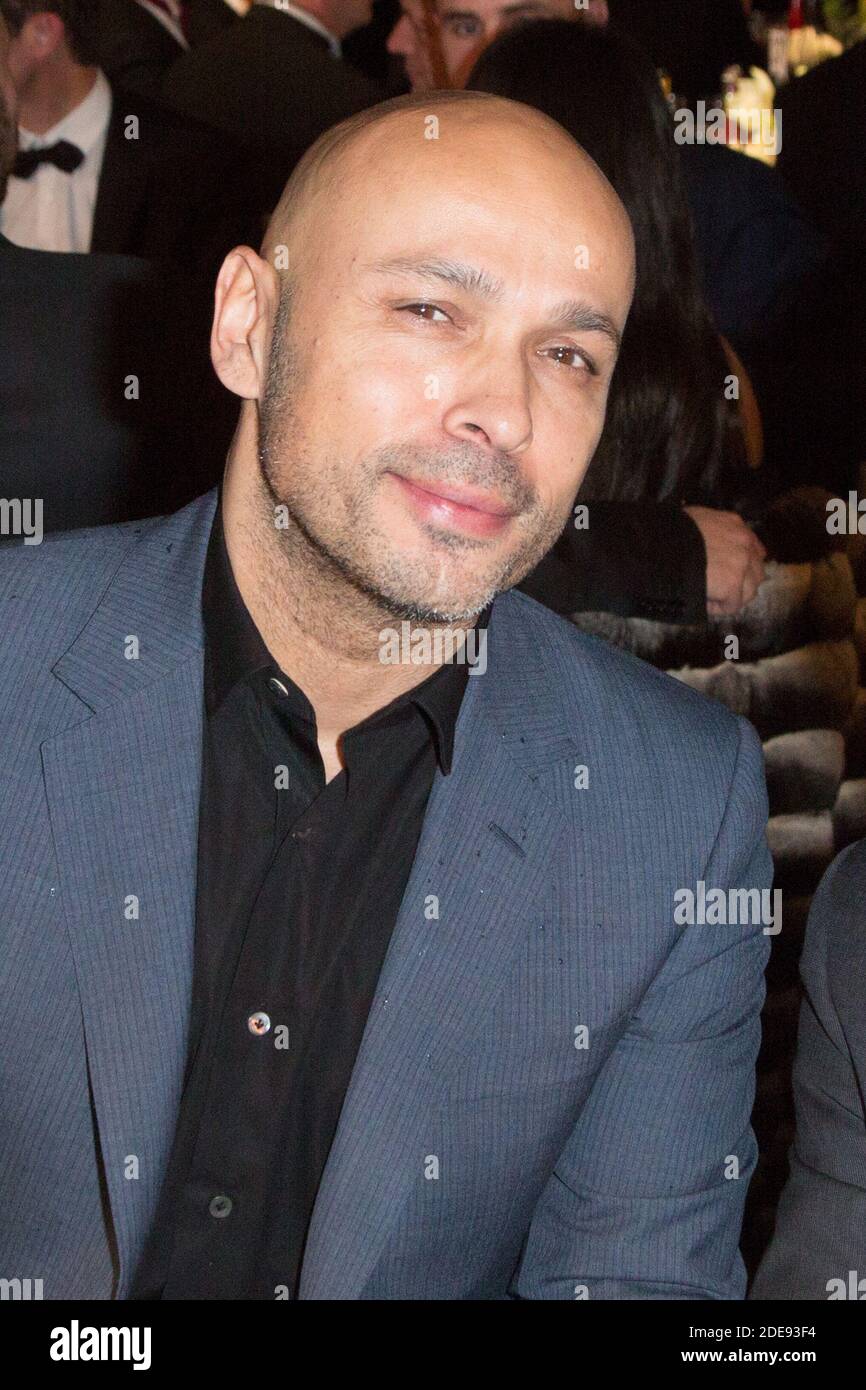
x=220, y=1206
x=277, y=686
x=258, y=1023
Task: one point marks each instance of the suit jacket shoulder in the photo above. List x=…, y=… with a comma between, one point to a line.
x=270, y=82
x=629, y=719
x=170, y=188
x=584, y=661
x=80, y=566
x=133, y=48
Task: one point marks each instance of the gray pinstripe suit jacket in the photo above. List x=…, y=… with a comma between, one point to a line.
x=482, y=1152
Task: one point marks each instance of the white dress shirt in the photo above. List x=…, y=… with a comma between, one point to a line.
x=53, y=211
x=286, y=7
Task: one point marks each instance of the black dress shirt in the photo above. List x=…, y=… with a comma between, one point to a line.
x=299, y=886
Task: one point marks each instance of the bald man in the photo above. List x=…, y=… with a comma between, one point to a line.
x=349, y=882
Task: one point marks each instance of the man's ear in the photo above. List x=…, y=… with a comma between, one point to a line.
x=245, y=306
x=41, y=35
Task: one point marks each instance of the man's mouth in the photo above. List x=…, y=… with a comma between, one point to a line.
x=455, y=507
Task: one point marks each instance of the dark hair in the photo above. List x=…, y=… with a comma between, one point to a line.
x=670, y=432
x=80, y=20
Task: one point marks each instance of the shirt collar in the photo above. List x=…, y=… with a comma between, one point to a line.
x=84, y=126
x=234, y=650
x=304, y=17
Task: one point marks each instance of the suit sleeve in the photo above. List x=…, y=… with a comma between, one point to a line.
x=646, y=1198
x=638, y=559
x=820, y=1234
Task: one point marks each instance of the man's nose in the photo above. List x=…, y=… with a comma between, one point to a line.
x=493, y=408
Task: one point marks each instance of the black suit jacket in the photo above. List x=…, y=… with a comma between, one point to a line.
x=73, y=330
x=136, y=51
x=271, y=83
x=175, y=193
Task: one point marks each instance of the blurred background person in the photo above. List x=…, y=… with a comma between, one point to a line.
x=468, y=26
x=138, y=40
x=108, y=408
x=274, y=81
x=100, y=170
x=415, y=40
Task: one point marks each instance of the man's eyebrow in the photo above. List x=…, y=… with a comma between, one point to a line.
x=454, y=273
x=577, y=316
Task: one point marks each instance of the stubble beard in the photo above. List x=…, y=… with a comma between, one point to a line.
x=334, y=566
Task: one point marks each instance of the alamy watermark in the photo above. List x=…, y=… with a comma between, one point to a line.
x=729, y=907
x=423, y=646
x=714, y=125
x=22, y=516
x=846, y=518
x=77, y=1343
x=20, y=1290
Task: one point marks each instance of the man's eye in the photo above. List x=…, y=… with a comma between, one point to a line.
x=464, y=28
x=573, y=357
x=425, y=311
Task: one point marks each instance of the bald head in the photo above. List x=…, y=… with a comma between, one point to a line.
x=460, y=275
x=461, y=137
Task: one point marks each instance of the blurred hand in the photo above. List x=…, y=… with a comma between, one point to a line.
x=735, y=560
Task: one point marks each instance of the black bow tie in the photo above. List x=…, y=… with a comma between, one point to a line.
x=63, y=155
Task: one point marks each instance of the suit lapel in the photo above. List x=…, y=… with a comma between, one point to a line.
x=123, y=793
x=483, y=862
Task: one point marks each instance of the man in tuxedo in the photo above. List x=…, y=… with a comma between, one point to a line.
x=108, y=408
x=371, y=969
x=101, y=171
x=275, y=80
x=138, y=40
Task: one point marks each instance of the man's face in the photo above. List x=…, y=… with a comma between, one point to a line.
x=441, y=388
x=8, y=124
x=468, y=26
